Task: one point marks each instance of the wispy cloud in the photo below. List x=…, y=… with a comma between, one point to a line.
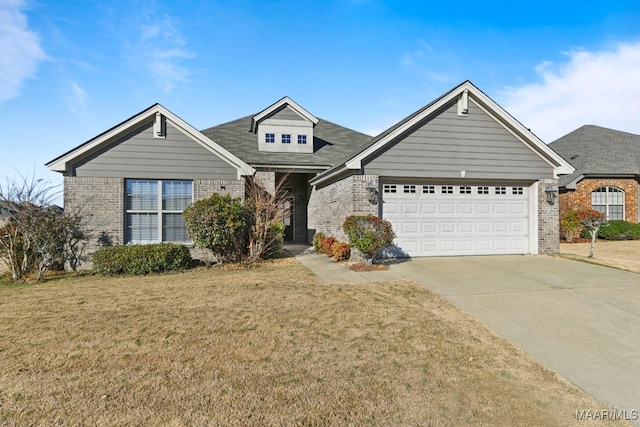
x=427, y=61
x=77, y=100
x=160, y=47
x=20, y=50
x=599, y=87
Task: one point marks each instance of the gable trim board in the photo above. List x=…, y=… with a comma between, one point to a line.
x=65, y=161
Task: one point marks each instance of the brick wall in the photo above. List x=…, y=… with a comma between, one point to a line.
x=581, y=197
x=548, y=220
x=205, y=188
x=100, y=202
x=329, y=206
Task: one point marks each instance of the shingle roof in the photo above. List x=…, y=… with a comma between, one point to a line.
x=595, y=150
x=331, y=144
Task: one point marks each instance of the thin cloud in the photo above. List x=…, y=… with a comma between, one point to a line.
x=160, y=47
x=77, y=100
x=600, y=88
x=20, y=50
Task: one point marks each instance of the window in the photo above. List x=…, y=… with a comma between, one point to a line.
x=389, y=188
x=302, y=139
x=517, y=190
x=483, y=190
x=409, y=189
x=286, y=138
x=428, y=189
x=154, y=210
x=465, y=189
x=447, y=189
x=269, y=138
x=608, y=200
x=501, y=190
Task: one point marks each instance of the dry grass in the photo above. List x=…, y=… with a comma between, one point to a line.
x=619, y=254
x=267, y=347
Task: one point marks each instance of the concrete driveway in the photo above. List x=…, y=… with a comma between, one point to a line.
x=578, y=319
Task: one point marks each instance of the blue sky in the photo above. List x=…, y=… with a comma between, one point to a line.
x=69, y=70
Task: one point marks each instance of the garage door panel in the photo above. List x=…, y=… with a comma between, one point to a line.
x=459, y=223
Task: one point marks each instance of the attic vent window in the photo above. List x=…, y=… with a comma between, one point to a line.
x=286, y=138
x=159, y=126
x=269, y=138
x=463, y=104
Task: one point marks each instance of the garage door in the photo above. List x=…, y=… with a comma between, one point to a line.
x=443, y=220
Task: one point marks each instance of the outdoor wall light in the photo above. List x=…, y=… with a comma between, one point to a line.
x=551, y=192
x=373, y=193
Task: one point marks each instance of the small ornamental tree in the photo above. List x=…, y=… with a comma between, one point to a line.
x=592, y=220
x=219, y=224
x=369, y=234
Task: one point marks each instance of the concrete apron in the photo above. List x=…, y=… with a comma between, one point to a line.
x=580, y=320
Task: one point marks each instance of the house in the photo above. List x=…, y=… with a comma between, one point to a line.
x=607, y=171
x=458, y=177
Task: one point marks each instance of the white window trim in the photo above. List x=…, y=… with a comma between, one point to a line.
x=606, y=200
x=158, y=211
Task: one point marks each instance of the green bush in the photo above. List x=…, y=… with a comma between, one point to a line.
x=275, y=240
x=620, y=230
x=220, y=224
x=368, y=233
x=141, y=259
x=570, y=225
x=317, y=241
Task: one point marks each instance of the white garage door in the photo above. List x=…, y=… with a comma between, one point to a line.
x=442, y=220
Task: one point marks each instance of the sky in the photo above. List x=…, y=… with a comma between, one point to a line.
x=69, y=70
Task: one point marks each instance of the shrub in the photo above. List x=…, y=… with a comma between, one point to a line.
x=341, y=251
x=369, y=234
x=317, y=241
x=327, y=244
x=620, y=230
x=570, y=225
x=141, y=259
x=274, y=241
x=220, y=224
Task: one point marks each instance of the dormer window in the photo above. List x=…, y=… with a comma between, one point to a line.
x=284, y=127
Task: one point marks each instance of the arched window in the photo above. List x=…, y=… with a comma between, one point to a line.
x=608, y=200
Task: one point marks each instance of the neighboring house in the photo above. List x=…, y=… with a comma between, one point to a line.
x=458, y=177
x=607, y=171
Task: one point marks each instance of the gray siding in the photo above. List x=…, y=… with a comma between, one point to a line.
x=139, y=155
x=448, y=144
x=286, y=114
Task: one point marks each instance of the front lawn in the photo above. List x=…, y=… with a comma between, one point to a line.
x=271, y=346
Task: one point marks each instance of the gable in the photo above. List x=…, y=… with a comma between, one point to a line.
x=137, y=154
x=450, y=145
x=153, y=142
x=418, y=146
x=286, y=113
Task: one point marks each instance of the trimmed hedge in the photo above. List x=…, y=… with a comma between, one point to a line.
x=141, y=259
x=620, y=230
